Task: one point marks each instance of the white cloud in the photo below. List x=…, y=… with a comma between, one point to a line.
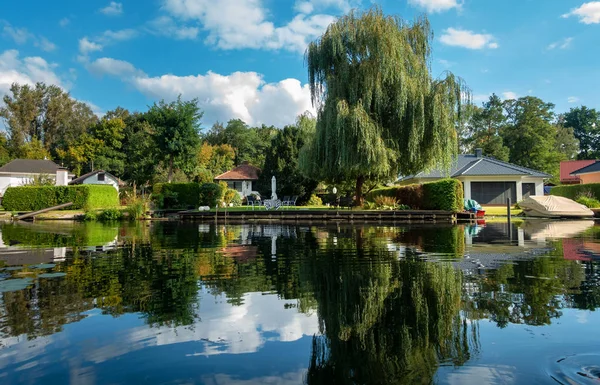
x=64, y=22
x=588, y=13
x=561, y=44
x=165, y=26
x=468, y=39
x=446, y=63
x=19, y=35
x=86, y=46
x=509, y=95
x=121, y=35
x=113, y=9
x=25, y=71
x=309, y=6
x=572, y=99
x=114, y=67
x=435, y=5
x=243, y=95
x=45, y=44
x=246, y=24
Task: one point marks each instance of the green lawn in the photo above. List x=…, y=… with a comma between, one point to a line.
x=497, y=211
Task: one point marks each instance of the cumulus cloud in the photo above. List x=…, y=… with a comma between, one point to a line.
x=309, y=6
x=28, y=70
x=588, y=13
x=509, y=95
x=468, y=39
x=246, y=24
x=113, y=9
x=561, y=44
x=243, y=95
x=572, y=99
x=19, y=35
x=433, y=6
x=121, y=35
x=45, y=44
x=86, y=46
x=166, y=26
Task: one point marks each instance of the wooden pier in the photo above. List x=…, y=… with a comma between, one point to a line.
x=351, y=216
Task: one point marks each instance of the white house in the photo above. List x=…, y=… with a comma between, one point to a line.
x=98, y=177
x=20, y=172
x=487, y=180
x=240, y=178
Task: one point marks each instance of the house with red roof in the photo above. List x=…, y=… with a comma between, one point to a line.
x=241, y=178
x=570, y=166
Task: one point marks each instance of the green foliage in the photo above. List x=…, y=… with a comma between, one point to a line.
x=446, y=194
x=187, y=195
x=485, y=128
x=592, y=203
x=137, y=207
x=249, y=143
x=32, y=198
x=109, y=215
x=585, y=123
x=380, y=112
x=90, y=216
x=314, y=201
x=231, y=198
x=210, y=194
x=575, y=191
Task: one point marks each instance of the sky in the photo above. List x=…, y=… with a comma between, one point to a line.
x=245, y=58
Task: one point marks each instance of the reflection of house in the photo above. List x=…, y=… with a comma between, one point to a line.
x=588, y=174
x=20, y=172
x=240, y=178
x=98, y=177
x=569, y=166
x=488, y=180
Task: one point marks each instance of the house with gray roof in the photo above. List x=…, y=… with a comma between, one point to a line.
x=487, y=180
x=20, y=172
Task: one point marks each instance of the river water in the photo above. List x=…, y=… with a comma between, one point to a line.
x=181, y=303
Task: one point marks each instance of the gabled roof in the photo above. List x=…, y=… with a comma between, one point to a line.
x=30, y=166
x=89, y=174
x=567, y=168
x=472, y=165
x=244, y=171
x=594, y=167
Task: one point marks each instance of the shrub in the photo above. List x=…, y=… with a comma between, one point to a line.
x=231, y=197
x=109, y=215
x=314, y=201
x=446, y=194
x=186, y=195
x=591, y=190
x=383, y=202
x=592, y=203
x=90, y=216
x=32, y=198
x=210, y=194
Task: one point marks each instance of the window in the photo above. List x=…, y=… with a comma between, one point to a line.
x=237, y=186
x=101, y=177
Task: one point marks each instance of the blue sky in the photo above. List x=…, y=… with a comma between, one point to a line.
x=244, y=58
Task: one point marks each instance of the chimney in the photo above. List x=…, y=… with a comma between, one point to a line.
x=478, y=152
x=62, y=177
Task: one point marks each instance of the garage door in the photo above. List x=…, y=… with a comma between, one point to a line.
x=493, y=193
x=528, y=190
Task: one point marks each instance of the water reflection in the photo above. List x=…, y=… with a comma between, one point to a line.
x=328, y=304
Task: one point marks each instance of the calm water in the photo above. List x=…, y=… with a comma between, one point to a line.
x=171, y=303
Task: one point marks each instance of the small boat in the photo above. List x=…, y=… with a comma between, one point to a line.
x=480, y=213
x=551, y=206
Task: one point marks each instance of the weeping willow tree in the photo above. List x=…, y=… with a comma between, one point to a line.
x=380, y=112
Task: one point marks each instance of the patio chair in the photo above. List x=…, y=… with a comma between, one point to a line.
x=251, y=200
x=292, y=201
x=285, y=201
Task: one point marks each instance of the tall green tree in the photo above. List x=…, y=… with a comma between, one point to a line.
x=140, y=150
x=380, y=112
x=176, y=128
x=585, y=123
x=485, y=128
x=248, y=142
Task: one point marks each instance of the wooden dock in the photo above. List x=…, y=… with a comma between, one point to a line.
x=350, y=216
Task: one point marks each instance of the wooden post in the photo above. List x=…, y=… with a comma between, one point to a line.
x=508, y=216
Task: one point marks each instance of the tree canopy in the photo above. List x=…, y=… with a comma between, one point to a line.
x=380, y=112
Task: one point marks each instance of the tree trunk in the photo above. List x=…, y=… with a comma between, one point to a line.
x=360, y=181
x=170, y=177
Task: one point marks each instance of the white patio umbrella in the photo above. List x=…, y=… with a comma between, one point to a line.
x=273, y=186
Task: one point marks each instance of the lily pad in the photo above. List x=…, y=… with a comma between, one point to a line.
x=52, y=275
x=13, y=268
x=15, y=284
x=43, y=266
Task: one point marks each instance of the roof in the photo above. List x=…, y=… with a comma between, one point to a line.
x=89, y=174
x=471, y=165
x=30, y=166
x=594, y=167
x=241, y=172
x=569, y=166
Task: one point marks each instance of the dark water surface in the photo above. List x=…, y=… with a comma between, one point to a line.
x=173, y=303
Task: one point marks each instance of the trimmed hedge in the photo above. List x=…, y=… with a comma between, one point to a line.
x=446, y=194
x=32, y=198
x=575, y=190
x=187, y=195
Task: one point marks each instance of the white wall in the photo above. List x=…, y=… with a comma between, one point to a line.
x=93, y=179
x=16, y=180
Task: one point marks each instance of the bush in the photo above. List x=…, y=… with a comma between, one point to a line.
x=591, y=190
x=210, y=194
x=109, y=215
x=591, y=203
x=383, y=202
x=446, y=194
x=187, y=195
x=314, y=201
x=232, y=198
x=32, y=198
x=90, y=216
